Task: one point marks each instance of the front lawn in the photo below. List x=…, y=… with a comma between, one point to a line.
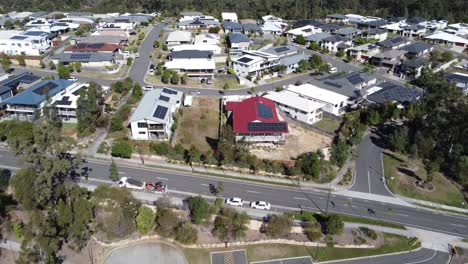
x=401, y=181
x=328, y=124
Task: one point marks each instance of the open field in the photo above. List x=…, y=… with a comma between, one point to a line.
x=401, y=181
x=198, y=124
x=299, y=140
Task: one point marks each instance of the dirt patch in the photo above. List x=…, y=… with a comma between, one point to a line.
x=199, y=123
x=424, y=186
x=299, y=140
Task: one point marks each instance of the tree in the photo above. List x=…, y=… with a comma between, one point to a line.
x=192, y=154
x=219, y=187
x=89, y=109
x=333, y=224
x=186, y=233
x=199, y=209
x=156, y=44
x=113, y=171
x=399, y=140
x=77, y=66
x=166, y=222
x=145, y=220
x=300, y=40
x=225, y=87
x=164, y=47
x=166, y=76
x=121, y=149
x=310, y=165
x=340, y=153
x=340, y=53
x=315, y=61
x=349, y=58
x=63, y=72
x=183, y=79
x=214, y=30
x=278, y=226
x=129, y=61
x=52, y=65
x=373, y=118
x=446, y=56
x=313, y=230
x=21, y=61
x=175, y=78
x=230, y=224
x=116, y=124
x=314, y=46
x=6, y=62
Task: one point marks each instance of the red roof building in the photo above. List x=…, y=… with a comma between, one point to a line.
x=93, y=47
x=256, y=120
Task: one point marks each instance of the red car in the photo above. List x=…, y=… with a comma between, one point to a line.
x=157, y=187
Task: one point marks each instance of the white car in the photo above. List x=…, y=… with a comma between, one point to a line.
x=148, y=88
x=235, y=201
x=260, y=205
x=137, y=55
x=333, y=70
x=72, y=78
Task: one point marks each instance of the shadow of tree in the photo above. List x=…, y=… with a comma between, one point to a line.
x=393, y=156
x=409, y=173
x=213, y=142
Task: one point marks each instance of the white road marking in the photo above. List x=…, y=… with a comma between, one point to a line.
x=368, y=180
x=164, y=179
x=204, y=184
x=458, y=225
x=252, y=192
x=402, y=215
x=299, y=198
x=121, y=172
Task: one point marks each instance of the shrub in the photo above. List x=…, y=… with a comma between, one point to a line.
x=18, y=230
x=166, y=222
x=129, y=61
x=333, y=224
x=279, y=226
x=116, y=124
x=145, y=220
x=121, y=149
x=313, y=231
x=186, y=233
x=162, y=148
x=199, y=209
x=368, y=232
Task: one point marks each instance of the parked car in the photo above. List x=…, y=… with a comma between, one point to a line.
x=137, y=55
x=72, y=78
x=148, y=88
x=158, y=187
x=10, y=70
x=333, y=70
x=235, y=201
x=126, y=182
x=151, y=68
x=260, y=205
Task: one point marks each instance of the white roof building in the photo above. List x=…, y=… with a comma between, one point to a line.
x=333, y=103
x=13, y=42
x=204, y=47
x=228, y=16
x=207, y=38
x=458, y=28
x=304, y=31
x=179, y=37
x=444, y=37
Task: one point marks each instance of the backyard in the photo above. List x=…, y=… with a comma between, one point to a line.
x=198, y=124
x=328, y=124
x=402, y=179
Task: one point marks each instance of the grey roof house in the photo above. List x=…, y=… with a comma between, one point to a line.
x=418, y=49
x=232, y=27
x=251, y=28
x=9, y=86
x=391, y=92
x=348, y=32
x=394, y=43
x=317, y=37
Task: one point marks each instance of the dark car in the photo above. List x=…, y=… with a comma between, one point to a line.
x=10, y=70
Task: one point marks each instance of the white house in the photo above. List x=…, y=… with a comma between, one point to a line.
x=179, y=37
x=457, y=29
x=194, y=63
x=14, y=42
x=66, y=102
x=447, y=38
x=202, y=47
x=229, y=17
x=335, y=42
x=333, y=103
x=296, y=106
x=207, y=38
x=154, y=116
x=303, y=31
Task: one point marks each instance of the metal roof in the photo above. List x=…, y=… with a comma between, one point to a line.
x=417, y=47
x=191, y=54
x=84, y=57
x=237, y=38
x=392, y=92
x=148, y=107
x=38, y=93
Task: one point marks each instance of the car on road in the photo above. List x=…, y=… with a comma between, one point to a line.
x=333, y=70
x=235, y=201
x=72, y=78
x=126, y=182
x=260, y=205
x=151, y=68
x=148, y=88
x=137, y=55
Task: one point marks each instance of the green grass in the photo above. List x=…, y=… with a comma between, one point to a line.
x=393, y=243
x=231, y=82
x=69, y=129
x=465, y=240
x=328, y=124
x=403, y=184
x=355, y=219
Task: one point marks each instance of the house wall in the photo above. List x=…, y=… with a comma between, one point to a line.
x=24, y=47
x=240, y=46
x=305, y=117
x=144, y=133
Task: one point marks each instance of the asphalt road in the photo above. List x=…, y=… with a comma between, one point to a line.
x=281, y=198
x=369, y=169
x=423, y=255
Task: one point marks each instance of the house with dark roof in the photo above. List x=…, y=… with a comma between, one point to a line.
x=388, y=58
x=256, y=120
x=459, y=79
x=66, y=102
x=373, y=24
x=335, y=42
x=392, y=92
x=416, y=20
x=237, y=41
x=154, y=115
x=87, y=59
x=15, y=83
x=232, y=27
x=393, y=43
x=348, y=32
x=27, y=104
x=251, y=28
x=411, y=69
x=375, y=33
x=317, y=38
x=306, y=22
x=417, y=49
x=413, y=31
x=195, y=63
x=352, y=80
x=93, y=47
x=329, y=28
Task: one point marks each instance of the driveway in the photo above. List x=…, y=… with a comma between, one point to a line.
x=147, y=253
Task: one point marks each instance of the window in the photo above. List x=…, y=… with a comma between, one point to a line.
x=141, y=125
x=142, y=132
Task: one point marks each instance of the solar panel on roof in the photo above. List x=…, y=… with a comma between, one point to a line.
x=85, y=56
x=169, y=91
x=355, y=79
x=281, y=49
x=264, y=111
x=257, y=127
x=41, y=90
x=160, y=112
x=164, y=98
x=34, y=33
x=19, y=37
x=245, y=59
x=65, y=98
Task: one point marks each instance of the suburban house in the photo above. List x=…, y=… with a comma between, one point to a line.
x=353, y=80
x=410, y=69
x=375, y=33
x=272, y=25
x=256, y=120
x=303, y=31
x=336, y=18
x=154, y=116
x=251, y=28
x=271, y=19
x=417, y=49
x=329, y=28
x=413, y=31
x=416, y=21
x=372, y=24
x=27, y=104
x=333, y=103
x=457, y=29
x=317, y=38
x=66, y=103
x=87, y=59
x=393, y=43
x=335, y=42
x=14, y=42
x=460, y=80
x=116, y=40
x=388, y=58
x=364, y=52
x=179, y=37
x=296, y=106
x=238, y=42
x=93, y=47
x=392, y=92
x=434, y=25
x=447, y=39
x=292, y=62
x=232, y=27
x=194, y=63
x=348, y=32
x=207, y=38
x=229, y=17
x=202, y=47
x=306, y=22
x=196, y=20
x=11, y=85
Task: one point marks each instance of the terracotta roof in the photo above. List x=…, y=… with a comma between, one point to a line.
x=92, y=47
x=256, y=115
